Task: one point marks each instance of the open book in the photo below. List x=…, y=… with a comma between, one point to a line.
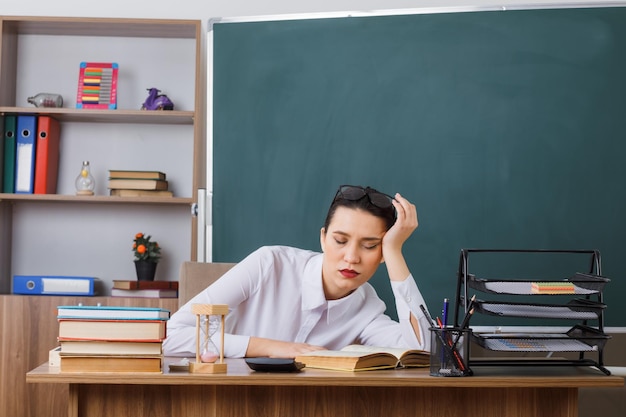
x=364, y=358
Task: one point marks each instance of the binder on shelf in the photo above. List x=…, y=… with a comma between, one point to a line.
x=1, y=151
x=25, y=154
x=9, y=136
x=46, y=155
x=54, y=285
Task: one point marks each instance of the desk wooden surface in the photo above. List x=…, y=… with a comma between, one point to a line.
x=239, y=374
x=241, y=392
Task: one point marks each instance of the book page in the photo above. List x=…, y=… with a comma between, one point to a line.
x=363, y=349
x=344, y=353
x=406, y=357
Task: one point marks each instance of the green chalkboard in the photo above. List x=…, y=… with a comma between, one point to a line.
x=507, y=129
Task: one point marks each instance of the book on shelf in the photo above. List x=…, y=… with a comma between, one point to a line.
x=145, y=293
x=365, y=358
x=137, y=184
x=108, y=347
x=132, y=174
x=107, y=363
x=120, y=192
x=112, y=330
x=112, y=313
x=144, y=285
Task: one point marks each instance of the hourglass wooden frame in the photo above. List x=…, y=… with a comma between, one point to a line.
x=208, y=310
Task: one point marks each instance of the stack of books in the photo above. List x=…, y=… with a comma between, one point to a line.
x=111, y=339
x=145, y=289
x=124, y=183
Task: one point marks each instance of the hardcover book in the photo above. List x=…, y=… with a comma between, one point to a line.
x=365, y=358
x=137, y=184
x=106, y=347
x=145, y=175
x=145, y=293
x=110, y=363
x=113, y=330
x=144, y=285
x=112, y=313
x=120, y=192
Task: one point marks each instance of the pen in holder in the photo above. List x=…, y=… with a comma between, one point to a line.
x=449, y=354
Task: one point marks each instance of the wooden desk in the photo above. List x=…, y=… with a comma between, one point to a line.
x=28, y=330
x=497, y=392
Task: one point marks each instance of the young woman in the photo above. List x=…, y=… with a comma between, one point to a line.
x=285, y=301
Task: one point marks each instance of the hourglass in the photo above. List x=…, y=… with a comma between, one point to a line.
x=209, y=318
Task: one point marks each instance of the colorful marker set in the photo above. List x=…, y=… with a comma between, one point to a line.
x=97, y=85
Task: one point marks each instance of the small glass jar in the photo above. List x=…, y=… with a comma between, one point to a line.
x=85, y=182
x=46, y=100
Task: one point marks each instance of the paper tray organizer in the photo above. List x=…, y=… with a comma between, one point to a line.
x=583, y=292
x=578, y=339
x=581, y=284
x=580, y=309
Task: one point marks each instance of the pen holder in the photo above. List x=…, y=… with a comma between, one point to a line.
x=449, y=352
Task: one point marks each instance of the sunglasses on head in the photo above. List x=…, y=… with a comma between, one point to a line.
x=356, y=192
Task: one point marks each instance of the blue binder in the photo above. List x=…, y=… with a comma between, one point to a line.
x=25, y=154
x=53, y=285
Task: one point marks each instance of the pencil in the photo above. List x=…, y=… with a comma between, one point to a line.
x=465, y=322
x=468, y=315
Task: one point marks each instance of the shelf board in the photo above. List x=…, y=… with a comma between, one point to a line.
x=98, y=199
x=115, y=27
x=169, y=117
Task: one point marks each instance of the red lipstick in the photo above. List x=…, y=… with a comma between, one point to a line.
x=349, y=273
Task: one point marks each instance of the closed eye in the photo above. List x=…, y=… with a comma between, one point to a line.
x=371, y=246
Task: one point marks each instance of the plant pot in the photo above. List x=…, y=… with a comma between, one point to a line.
x=145, y=270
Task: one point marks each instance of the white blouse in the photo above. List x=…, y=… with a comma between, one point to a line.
x=276, y=292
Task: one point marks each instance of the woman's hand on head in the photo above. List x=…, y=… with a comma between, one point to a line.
x=405, y=225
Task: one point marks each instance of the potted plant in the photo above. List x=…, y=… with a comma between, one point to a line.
x=147, y=254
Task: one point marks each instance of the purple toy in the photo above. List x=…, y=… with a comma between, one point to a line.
x=156, y=101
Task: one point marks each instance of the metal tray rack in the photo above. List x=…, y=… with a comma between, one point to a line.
x=584, y=303
x=579, y=309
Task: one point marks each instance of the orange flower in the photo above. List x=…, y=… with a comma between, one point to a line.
x=146, y=249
